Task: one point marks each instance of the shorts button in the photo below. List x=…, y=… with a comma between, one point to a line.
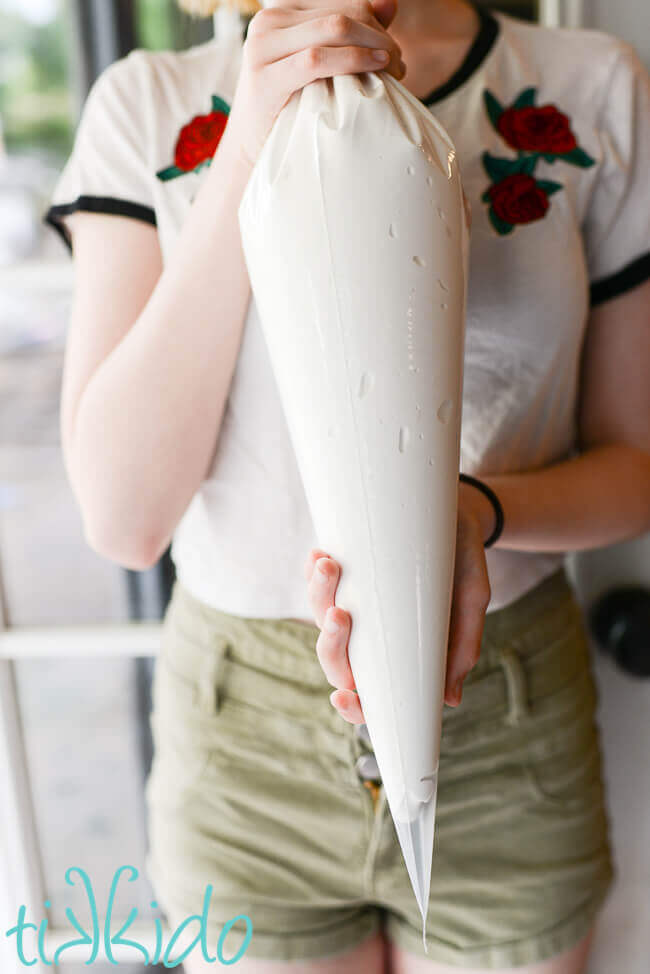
x=367, y=768
x=361, y=731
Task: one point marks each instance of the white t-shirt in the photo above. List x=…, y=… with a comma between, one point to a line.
x=552, y=128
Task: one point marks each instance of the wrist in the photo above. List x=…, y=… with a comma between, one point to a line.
x=481, y=509
x=485, y=506
x=233, y=151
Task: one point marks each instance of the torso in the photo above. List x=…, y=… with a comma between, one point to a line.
x=528, y=303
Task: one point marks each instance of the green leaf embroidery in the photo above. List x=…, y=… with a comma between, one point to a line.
x=527, y=164
x=493, y=106
x=219, y=105
x=526, y=99
x=497, y=169
x=578, y=157
x=500, y=225
x=549, y=186
x=171, y=172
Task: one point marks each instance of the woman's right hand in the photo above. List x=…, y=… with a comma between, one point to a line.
x=288, y=47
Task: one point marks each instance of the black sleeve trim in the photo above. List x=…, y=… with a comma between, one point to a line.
x=96, y=204
x=624, y=280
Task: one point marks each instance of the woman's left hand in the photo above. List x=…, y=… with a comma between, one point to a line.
x=470, y=598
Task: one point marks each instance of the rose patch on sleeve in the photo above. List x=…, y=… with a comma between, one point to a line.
x=197, y=141
x=536, y=132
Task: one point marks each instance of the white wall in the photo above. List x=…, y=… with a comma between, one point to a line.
x=623, y=933
x=629, y=19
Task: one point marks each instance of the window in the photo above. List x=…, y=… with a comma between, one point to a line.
x=81, y=801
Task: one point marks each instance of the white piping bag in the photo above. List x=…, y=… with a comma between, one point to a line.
x=354, y=234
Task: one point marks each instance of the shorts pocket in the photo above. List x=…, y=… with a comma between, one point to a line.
x=180, y=752
x=279, y=744
x=562, y=757
x=559, y=783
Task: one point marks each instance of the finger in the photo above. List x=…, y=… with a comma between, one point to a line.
x=466, y=632
x=332, y=648
x=347, y=704
x=289, y=34
x=312, y=558
x=469, y=603
x=345, y=45
x=385, y=11
x=322, y=588
x=467, y=206
x=279, y=19
x=331, y=62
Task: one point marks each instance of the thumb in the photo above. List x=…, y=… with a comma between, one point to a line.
x=385, y=10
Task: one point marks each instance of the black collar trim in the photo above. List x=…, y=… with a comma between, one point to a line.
x=483, y=44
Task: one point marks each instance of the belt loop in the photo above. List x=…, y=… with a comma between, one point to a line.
x=211, y=677
x=516, y=683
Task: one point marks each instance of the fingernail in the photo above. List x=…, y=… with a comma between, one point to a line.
x=342, y=708
x=322, y=574
x=330, y=624
x=380, y=55
x=458, y=687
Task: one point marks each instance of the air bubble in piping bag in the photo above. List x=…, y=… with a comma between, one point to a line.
x=354, y=235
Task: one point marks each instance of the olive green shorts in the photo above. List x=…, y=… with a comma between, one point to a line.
x=255, y=791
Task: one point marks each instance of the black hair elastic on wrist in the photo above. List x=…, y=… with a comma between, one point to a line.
x=496, y=504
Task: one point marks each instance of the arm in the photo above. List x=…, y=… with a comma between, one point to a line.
x=149, y=351
x=601, y=496
x=597, y=498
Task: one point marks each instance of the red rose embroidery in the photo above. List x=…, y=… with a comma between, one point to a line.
x=518, y=199
x=537, y=133
x=198, y=140
x=542, y=129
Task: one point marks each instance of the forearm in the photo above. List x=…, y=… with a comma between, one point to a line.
x=147, y=423
x=595, y=499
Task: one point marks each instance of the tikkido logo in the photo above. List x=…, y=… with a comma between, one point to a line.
x=96, y=936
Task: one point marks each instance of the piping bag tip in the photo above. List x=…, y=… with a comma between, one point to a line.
x=415, y=836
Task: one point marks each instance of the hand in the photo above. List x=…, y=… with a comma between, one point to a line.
x=288, y=47
x=471, y=595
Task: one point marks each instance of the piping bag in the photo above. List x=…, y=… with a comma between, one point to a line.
x=354, y=234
